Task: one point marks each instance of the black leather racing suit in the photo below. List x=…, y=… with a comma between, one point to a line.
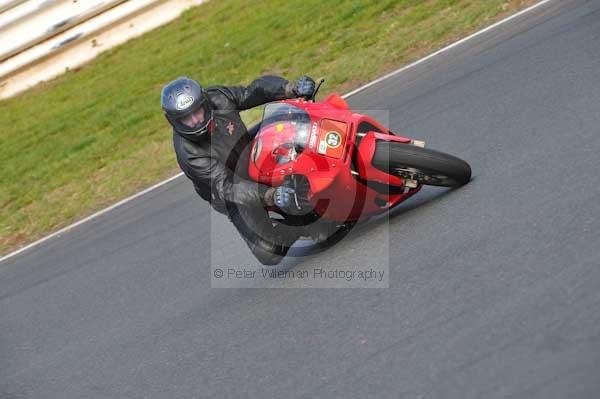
x=217, y=164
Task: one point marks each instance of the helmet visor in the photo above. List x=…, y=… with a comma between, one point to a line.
x=196, y=120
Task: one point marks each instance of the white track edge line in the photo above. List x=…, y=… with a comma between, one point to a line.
x=361, y=88
x=90, y=217
x=443, y=50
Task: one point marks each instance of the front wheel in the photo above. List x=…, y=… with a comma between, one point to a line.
x=424, y=165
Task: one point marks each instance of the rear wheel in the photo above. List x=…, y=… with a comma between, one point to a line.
x=424, y=165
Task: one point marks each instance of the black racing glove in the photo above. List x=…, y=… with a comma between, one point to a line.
x=303, y=87
x=288, y=200
x=283, y=198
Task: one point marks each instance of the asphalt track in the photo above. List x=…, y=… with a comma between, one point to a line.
x=494, y=288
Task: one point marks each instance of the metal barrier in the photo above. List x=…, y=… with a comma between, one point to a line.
x=47, y=22
x=7, y=4
x=23, y=12
x=40, y=39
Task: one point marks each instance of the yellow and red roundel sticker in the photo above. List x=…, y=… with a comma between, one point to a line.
x=332, y=135
x=333, y=139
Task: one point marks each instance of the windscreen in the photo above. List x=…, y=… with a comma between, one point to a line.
x=291, y=116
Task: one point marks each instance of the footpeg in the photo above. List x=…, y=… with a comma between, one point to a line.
x=411, y=183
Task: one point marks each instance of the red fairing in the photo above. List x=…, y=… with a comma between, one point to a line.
x=320, y=141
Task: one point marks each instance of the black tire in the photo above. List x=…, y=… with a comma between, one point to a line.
x=431, y=167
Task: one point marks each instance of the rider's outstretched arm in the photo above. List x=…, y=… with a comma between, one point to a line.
x=262, y=90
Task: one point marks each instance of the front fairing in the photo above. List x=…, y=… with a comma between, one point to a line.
x=292, y=141
x=326, y=158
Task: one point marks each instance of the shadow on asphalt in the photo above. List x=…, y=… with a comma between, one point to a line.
x=429, y=196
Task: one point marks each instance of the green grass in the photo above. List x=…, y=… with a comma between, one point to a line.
x=92, y=136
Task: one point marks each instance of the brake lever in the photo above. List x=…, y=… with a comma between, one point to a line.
x=291, y=182
x=314, y=95
x=296, y=201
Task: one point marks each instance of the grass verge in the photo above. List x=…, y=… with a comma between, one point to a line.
x=90, y=137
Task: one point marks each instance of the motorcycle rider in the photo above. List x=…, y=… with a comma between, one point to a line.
x=212, y=146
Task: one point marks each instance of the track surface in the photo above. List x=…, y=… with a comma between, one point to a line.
x=494, y=288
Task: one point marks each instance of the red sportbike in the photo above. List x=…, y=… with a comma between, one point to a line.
x=344, y=166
